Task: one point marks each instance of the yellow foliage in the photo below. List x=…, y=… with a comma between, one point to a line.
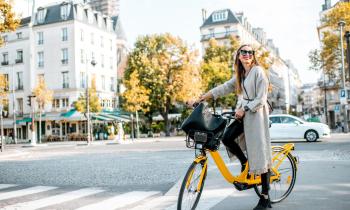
x=42, y=94
x=8, y=19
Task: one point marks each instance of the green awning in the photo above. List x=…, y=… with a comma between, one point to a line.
x=24, y=120
x=69, y=113
x=101, y=118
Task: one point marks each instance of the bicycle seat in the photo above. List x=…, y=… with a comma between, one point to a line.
x=202, y=120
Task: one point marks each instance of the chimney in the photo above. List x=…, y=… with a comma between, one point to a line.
x=204, y=15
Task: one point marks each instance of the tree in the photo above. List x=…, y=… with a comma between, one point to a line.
x=43, y=96
x=167, y=73
x=8, y=21
x=216, y=68
x=328, y=57
x=94, y=101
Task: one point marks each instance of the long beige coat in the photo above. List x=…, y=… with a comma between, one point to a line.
x=256, y=121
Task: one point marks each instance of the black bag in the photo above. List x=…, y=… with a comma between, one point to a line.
x=203, y=128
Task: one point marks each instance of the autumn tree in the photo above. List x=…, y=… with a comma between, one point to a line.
x=328, y=57
x=167, y=75
x=43, y=96
x=8, y=20
x=94, y=101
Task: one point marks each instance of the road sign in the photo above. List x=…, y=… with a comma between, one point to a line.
x=337, y=108
x=343, y=96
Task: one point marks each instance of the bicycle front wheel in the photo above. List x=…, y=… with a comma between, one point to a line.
x=192, y=186
x=281, y=188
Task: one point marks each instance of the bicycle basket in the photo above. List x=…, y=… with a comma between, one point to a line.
x=203, y=140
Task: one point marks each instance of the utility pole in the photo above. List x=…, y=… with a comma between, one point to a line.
x=14, y=106
x=347, y=37
x=93, y=63
x=341, y=24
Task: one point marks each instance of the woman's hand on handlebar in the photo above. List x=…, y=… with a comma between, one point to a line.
x=239, y=114
x=204, y=97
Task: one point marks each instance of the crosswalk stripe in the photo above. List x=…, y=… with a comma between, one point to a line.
x=120, y=200
x=4, y=186
x=23, y=192
x=159, y=203
x=36, y=204
x=209, y=198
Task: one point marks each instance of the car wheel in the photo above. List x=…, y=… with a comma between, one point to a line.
x=311, y=136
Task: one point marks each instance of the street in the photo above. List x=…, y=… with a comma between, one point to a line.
x=147, y=174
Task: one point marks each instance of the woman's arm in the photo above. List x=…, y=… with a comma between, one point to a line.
x=224, y=89
x=261, y=83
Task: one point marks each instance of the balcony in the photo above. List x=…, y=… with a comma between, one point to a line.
x=4, y=63
x=64, y=61
x=222, y=35
x=19, y=60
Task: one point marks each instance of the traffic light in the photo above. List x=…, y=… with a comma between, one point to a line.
x=29, y=100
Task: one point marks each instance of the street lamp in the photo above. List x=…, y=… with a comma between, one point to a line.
x=14, y=105
x=341, y=24
x=2, y=130
x=93, y=63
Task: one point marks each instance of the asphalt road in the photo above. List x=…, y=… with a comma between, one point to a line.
x=152, y=170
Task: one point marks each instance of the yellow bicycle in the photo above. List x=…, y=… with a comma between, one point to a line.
x=204, y=132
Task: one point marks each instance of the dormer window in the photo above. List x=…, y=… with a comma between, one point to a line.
x=65, y=8
x=220, y=16
x=41, y=15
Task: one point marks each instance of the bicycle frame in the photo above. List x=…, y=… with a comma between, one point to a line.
x=278, y=157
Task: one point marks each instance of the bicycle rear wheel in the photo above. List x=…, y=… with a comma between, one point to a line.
x=189, y=194
x=281, y=188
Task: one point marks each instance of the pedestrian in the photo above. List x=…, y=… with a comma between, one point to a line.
x=251, y=85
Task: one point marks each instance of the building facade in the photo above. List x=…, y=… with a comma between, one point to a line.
x=57, y=45
x=223, y=24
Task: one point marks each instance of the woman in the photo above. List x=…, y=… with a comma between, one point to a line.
x=251, y=85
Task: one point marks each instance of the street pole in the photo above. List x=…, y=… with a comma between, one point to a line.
x=14, y=106
x=87, y=101
x=325, y=96
x=341, y=24
x=33, y=141
x=2, y=130
x=347, y=36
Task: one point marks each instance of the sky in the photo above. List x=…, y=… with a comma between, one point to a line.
x=290, y=23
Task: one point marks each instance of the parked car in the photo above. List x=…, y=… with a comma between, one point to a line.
x=284, y=126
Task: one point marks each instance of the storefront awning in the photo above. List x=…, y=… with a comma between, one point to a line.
x=68, y=114
x=101, y=118
x=115, y=118
x=24, y=120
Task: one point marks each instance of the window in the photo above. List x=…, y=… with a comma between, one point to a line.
x=81, y=35
x=82, y=80
x=211, y=32
x=92, y=38
x=111, y=44
x=5, y=38
x=41, y=59
x=56, y=103
x=19, y=58
x=112, y=84
x=41, y=15
x=65, y=11
x=64, y=34
x=102, y=44
x=92, y=56
x=19, y=35
x=103, y=81
x=65, y=80
x=40, y=38
x=219, y=16
x=102, y=60
x=19, y=81
x=65, y=102
x=275, y=119
x=6, y=77
x=5, y=59
x=20, y=105
x=64, y=56
x=288, y=120
x=82, y=56
x=227, y=29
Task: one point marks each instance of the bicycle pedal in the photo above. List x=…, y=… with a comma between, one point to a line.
x=242, y=186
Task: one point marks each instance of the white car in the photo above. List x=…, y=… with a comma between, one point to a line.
x=285, y=126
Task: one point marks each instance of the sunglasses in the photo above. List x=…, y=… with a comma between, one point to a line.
x=246, y=52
